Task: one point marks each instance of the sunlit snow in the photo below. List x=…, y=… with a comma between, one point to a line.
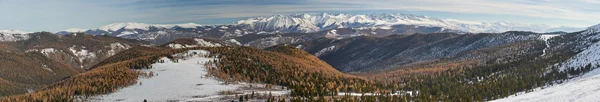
x=181, y=80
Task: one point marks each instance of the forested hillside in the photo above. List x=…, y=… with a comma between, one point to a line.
x=44, y=58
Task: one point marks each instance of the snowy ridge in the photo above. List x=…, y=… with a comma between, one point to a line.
x=143, y=26
x=199, y=43
x=76, y=30
x=312, y=23
x=13, y=32
x=131, y=26
x=203, y=43
x=593, y=29
x=13, y=35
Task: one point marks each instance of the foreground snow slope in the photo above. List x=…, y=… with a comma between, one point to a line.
x=183, y=80
x=583, y=89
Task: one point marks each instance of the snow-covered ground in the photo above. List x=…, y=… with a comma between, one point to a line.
x=184, y=80
x=582, y=89
x=173, y=81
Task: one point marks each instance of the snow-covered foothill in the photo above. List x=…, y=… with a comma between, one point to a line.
x=199, y=43
x=13, y=32
x=204, y=43
x=13, y=35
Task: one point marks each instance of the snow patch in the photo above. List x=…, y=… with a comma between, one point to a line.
x=545, y=38
x=324, y=51
x=82, y=54
x=115, y=46
x=180, y=80
x=178, y=46
x=233, y=41
x=332, y=34
x=48, y=51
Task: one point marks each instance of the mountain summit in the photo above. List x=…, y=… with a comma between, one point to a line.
x=307, y=23
x=311, y=23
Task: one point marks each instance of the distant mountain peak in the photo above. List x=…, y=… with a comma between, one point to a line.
x=323, y=21
x=76, y=30
x=144, y=26
x=127, y=25
x=13, y=32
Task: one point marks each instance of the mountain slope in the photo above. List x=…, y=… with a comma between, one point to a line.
x=583, y=65
x=234, y=64
x=46, y=58
x=366, y=53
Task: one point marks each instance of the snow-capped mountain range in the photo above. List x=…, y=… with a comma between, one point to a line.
x=312, y=23
x=339, y=25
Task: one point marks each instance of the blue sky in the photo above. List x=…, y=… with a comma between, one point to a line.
x=55, y=15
